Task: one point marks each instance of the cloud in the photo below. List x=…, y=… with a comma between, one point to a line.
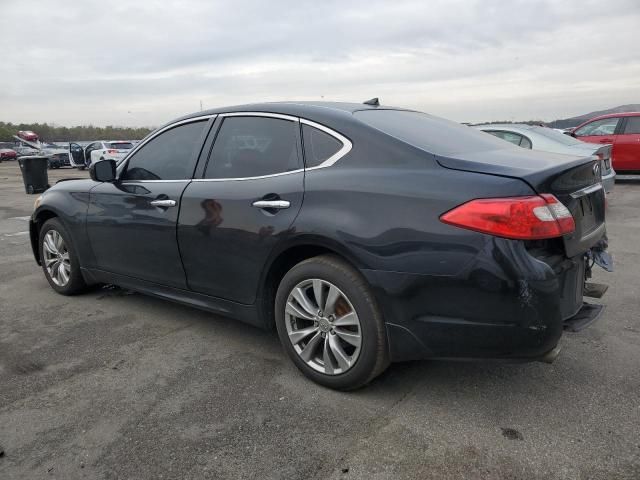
x=144, y=62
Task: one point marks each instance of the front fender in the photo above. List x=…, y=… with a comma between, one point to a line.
x=69, y=202
x=34, y=233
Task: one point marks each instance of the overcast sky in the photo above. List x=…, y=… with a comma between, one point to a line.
x=143, y=62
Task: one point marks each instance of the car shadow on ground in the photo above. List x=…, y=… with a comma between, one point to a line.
x=440, y=374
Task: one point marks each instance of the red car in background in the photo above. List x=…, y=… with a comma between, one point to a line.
x=28, y=135
x=7, y=154
x=622, y=130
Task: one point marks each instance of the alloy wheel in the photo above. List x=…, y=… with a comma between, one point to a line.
x=56, y=258
x=323, y=326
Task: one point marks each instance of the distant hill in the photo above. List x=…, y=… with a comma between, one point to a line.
x=575, y=121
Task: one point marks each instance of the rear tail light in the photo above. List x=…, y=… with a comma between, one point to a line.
x=523, y=218
x=112, y=151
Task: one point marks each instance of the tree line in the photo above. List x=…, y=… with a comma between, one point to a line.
x=52, y=133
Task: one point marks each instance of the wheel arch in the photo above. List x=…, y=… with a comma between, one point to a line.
x=286, y=258
x=35, y=225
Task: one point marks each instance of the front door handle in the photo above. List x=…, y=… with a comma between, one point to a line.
x=277, y=204
x=163, y=203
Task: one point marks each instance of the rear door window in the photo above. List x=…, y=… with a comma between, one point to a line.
x=254, y=146
x=169, y=156
x=633, y=126
x=319, y=146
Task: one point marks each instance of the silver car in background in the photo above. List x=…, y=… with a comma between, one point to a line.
x=546, y=139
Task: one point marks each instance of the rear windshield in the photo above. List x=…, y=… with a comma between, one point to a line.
x=557, y=136
x=433, y=134
x=121, y=145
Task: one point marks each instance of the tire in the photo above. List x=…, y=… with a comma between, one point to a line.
x=351, y=364
x=75, y=282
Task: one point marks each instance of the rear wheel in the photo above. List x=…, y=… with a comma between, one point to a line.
x=329, y=323
x=59, y=259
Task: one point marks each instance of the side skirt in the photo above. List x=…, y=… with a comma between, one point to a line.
x=244, y=313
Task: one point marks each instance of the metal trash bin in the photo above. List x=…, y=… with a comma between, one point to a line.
x=34, y=173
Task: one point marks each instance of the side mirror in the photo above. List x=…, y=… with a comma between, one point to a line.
x=103, y=171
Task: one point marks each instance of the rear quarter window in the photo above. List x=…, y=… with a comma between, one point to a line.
x=319, y=146
x=432, y=134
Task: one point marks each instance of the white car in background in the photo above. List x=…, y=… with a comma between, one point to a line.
x=104, y=150
x=547, y=139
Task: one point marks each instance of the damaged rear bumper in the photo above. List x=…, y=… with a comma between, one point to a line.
x=506, y=304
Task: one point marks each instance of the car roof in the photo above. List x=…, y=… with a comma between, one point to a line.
x=311, y=110
x=612, y=115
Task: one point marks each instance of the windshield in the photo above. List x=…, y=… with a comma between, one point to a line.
x=121, y=145
x=433, y=134
x=557, y=136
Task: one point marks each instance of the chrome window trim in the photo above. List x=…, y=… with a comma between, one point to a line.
x=125, y=160
x=235, y=179
x=261, y=114
x=346, y=144
x=130, y=181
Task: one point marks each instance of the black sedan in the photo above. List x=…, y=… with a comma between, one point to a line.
x=363, y=234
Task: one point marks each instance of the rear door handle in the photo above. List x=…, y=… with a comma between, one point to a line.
x=163, y=203
x=277, y=204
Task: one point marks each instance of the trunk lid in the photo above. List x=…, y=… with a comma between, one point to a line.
x=575, y=181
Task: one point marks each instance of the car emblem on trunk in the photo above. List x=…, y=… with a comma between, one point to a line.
x=596, y=169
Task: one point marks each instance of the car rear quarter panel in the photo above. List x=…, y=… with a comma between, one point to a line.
x=383, y=203
x=449, y=291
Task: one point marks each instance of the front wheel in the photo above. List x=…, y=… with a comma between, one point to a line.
x=59, y=259
x=329, y=323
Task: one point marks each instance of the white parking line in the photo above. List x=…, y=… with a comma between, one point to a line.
x=17, y=234
x=20, y=218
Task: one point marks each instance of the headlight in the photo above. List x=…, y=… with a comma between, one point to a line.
x=37, y=202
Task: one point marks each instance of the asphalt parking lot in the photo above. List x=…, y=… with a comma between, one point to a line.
x=111, y=384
